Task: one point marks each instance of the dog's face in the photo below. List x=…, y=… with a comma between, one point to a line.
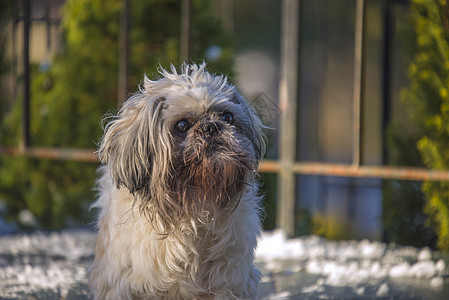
x=185, y=145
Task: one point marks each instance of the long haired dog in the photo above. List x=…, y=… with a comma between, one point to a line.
x=179, y=207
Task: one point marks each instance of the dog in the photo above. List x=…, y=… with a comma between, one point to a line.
x=179, y=207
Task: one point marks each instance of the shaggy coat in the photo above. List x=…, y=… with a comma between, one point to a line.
x=178, y=200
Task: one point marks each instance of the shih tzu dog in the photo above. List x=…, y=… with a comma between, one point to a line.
x=178, y=202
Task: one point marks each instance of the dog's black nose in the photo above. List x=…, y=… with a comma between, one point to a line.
x=210, y=128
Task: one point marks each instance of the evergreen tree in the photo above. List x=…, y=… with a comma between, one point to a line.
x=428, y=98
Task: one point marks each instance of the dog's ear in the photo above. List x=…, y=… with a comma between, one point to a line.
x=127, y=145
x=255, y=125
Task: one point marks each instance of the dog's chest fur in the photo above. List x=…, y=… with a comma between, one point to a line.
x=199, y=260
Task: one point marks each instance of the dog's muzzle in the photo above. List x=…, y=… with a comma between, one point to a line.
x=210, y=128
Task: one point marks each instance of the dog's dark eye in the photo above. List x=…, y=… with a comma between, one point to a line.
x=227, y=117
x=182, y=126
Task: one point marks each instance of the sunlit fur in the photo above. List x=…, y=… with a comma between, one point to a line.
x=179, y=210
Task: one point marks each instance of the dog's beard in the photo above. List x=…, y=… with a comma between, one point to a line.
x=210, y=174
x=207, y=174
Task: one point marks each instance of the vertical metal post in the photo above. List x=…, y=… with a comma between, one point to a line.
x=386, y=76
x=288, y=97
x=123, y=54
x=47, y=26
x=25, y=139
x=359, y=53
x=184, y=40
x=14, y=52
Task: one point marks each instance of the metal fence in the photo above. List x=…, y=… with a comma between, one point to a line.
x=286, y=166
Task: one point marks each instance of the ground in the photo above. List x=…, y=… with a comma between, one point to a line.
x=53, y=266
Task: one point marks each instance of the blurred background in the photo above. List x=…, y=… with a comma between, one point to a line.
x=346, y=86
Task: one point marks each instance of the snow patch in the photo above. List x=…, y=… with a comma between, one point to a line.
x=312, y=265
x=355, y=264
x=383, y=290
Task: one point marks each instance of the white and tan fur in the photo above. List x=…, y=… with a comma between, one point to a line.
x=179, y=210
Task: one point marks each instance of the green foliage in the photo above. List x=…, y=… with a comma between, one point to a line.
x=403, y=202
x=428, y=99
x=70, y=98
x=404, y=221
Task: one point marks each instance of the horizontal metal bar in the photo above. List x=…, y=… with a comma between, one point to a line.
x=83, y=155
x=343, y=170
x=266, y=166
x=269, y=166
